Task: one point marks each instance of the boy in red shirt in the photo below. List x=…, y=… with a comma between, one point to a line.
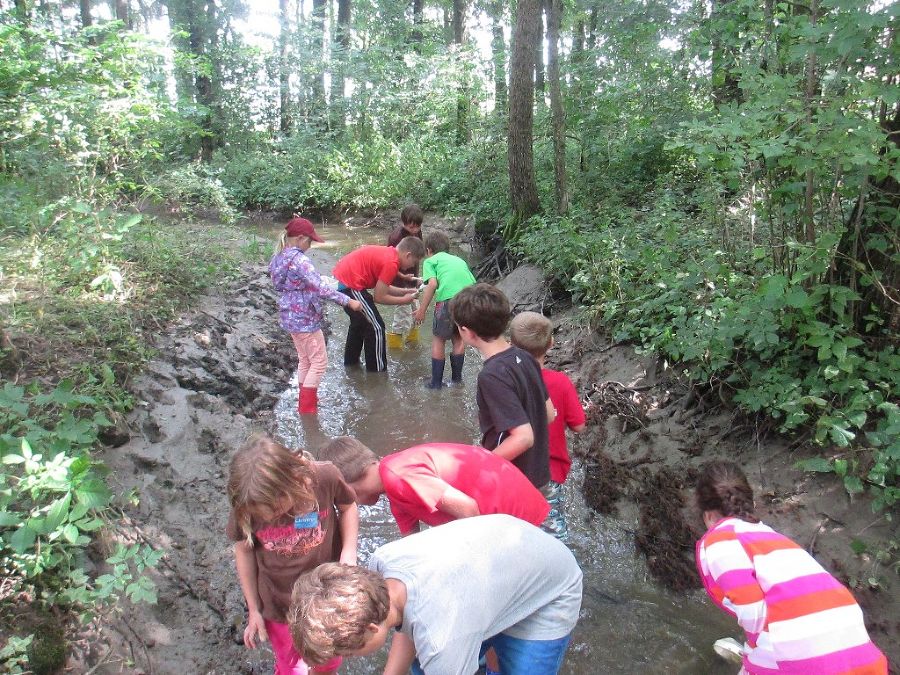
x=436, y=483
x=374, y=268
x=533, y=332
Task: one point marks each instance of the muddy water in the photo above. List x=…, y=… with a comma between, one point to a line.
x=627, y=625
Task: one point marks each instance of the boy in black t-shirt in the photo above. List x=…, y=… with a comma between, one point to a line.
x=514, y=409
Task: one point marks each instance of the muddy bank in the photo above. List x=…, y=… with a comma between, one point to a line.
x=219, y=371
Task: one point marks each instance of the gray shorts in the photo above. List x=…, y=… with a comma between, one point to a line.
x=443, y=326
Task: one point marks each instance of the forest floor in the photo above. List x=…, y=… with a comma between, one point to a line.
x=219, y=371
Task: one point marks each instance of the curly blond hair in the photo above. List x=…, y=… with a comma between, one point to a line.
x=264, y=474
x=331, y=609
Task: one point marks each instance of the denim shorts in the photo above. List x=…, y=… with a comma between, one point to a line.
x=522, y=657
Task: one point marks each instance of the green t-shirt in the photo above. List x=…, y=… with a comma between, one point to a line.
x=452, y=274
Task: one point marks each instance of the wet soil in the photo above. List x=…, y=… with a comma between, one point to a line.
x=220, y=371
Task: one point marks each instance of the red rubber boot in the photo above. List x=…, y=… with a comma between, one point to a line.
x=309, y=400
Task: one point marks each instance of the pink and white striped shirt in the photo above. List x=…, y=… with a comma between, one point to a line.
x=797, y=617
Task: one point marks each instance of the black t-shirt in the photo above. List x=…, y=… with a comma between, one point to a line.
x=511, y=393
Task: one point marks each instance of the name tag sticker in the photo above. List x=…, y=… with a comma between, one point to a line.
x=307, y=522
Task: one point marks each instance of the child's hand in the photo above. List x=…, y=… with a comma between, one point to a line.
x=355, y=305
x=348, y=558
x=256, y=628
x=419, y=315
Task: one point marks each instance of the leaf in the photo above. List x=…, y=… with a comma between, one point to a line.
x=859, y=547
x=58, y=512
x=840, y=435
x=853, y=485
x=8, y=518
x=22, y=539
x=93, y=493
x=816, y=464
x=70, y=532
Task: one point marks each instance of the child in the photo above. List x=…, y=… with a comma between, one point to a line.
x=300, y=310
x=374, y=268
x=533, y=332
x=436, y=482
x=445, y=275
x=411, y=218
x=797, y=617
x=284, y=523
x=513, y=407
x=450, y=592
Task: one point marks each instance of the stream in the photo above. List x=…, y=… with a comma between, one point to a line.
x=628, y=624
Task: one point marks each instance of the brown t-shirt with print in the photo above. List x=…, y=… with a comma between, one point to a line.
x=284, y=551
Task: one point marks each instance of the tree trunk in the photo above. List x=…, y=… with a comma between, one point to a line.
x=318, y=44
x=339, y=55
x=86, y=20
x=539, y=54
x=462, y=95
x=554, y=17
x=122, y=13
x=284, y=90
x=23, y=11
x=498, y=49
x=522, y=184
x=809, y=97
x=418, y=10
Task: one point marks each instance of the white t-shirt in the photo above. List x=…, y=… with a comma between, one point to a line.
x=473, y=578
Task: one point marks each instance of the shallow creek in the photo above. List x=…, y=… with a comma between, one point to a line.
x=628, y=624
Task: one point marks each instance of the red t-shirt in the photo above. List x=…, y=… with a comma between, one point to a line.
x=366, y=266
x=415, y=479
x=569, y=413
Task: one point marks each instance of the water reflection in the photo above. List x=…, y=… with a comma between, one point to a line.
x=627, y=625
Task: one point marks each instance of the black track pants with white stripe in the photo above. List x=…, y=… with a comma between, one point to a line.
x=366, y=330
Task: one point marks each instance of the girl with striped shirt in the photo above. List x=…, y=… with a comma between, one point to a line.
x=796, y=616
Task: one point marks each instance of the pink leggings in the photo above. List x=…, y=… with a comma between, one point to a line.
x=312, y=356
x=287, y=660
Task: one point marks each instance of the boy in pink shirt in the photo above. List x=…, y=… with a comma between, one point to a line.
x=533, y=332
x=436, y=483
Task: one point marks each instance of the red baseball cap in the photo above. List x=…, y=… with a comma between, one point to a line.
x=301, y=227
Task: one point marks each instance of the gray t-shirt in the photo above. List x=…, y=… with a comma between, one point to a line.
x=473, y=578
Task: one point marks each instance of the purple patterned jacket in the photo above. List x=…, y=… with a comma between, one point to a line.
x=302, y=291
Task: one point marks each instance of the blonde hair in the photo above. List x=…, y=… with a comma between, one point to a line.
x=532, y=332
x=263, y=473
x=282, y=240
x=351, y=457
x=331, y=609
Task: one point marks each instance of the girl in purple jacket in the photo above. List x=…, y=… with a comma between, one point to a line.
x=300, y=309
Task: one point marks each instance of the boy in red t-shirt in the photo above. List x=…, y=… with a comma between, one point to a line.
x=375, y=268
x=533, y=332
x=436, y=483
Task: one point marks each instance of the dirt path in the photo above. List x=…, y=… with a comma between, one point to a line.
x=219, y=372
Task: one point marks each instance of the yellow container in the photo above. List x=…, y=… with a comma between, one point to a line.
x=395, y=340
x=413, y=335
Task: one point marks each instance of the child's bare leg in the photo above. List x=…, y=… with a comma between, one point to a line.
x=437, y=347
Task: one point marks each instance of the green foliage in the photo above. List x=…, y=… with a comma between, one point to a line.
x=53, y=498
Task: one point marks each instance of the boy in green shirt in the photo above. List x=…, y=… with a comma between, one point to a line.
x=445, y=275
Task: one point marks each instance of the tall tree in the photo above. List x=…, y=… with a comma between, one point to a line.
x=539, y=54
x=725, y=82
x=122, y=13
x=339, y=56
x=418, y=10
x=462, y=96
x=520, y=154
x=498, y=56
x=284, y=37
x=85, y=8
x=554, y=17
x=318, y=48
